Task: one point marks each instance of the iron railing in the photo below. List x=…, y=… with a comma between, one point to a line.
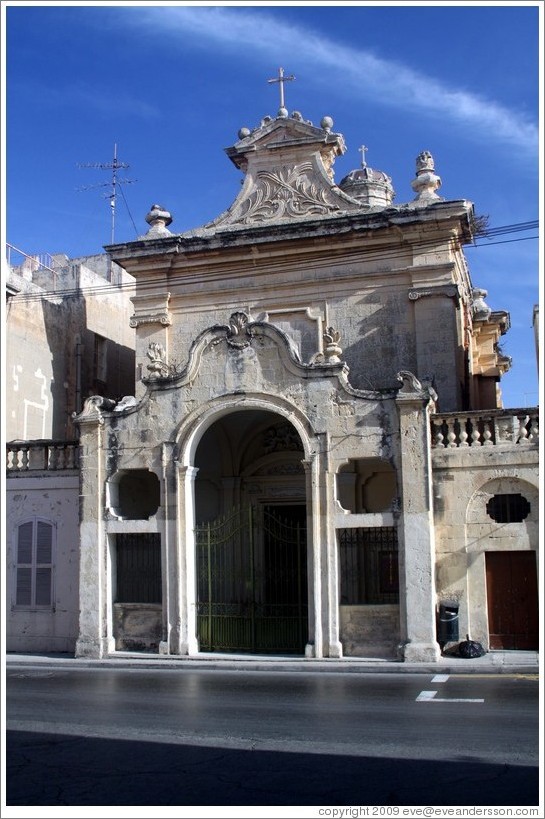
x=251, y=583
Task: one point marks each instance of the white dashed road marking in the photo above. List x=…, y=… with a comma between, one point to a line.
x=425, y=696
x=431, y=696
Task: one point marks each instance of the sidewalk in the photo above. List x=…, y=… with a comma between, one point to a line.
x=495, y=662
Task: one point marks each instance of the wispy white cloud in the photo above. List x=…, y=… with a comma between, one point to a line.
x=365, y=75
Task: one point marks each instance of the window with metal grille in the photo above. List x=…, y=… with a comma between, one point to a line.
x=138, y=568
x=368, y=561
x=34, y=569
x=508, y=508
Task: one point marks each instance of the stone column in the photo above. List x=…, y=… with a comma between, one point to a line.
x=93, y=620
x=330, y=557
x=416, y=529
x=313, y=647
x=168, y=541
x=323, y=592
x=183, y=557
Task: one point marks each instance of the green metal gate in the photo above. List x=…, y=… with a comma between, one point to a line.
x=252, y=581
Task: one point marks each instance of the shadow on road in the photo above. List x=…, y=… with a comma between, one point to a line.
x=55, y=769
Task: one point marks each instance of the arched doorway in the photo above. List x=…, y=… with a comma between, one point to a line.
x=251, y=536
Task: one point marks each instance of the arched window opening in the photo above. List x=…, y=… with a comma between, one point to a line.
x=508, y=508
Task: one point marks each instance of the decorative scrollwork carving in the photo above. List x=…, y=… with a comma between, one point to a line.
x=92, y=407
x=281, y=438
x=409, y=382
x=158, y=366
x=284, y=193
x=150, y=318
x=449, y=290
x=239, y=334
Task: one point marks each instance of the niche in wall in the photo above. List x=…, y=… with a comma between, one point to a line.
x=134, y=494
x=366, y=485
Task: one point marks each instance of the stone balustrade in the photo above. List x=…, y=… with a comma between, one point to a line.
x=456, y=430
x=28, y=456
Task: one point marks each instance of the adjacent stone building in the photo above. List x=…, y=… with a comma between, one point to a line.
x=315, y=460
x=67, y=337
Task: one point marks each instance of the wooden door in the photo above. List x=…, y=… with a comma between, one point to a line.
x=511, y=586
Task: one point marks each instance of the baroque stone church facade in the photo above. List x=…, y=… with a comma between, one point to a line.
x=316, y=458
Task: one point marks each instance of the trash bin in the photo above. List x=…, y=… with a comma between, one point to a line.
x=448, y=631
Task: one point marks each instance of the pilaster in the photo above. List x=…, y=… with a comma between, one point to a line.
x=183, y=556
x=416, y=532
x=93, y=620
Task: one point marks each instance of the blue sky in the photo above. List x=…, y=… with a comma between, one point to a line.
x=173, y=83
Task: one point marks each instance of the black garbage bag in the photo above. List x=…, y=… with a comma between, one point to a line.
x=469, y=649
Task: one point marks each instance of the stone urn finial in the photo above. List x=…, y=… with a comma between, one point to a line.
x=427, y=181
x=158, y=219
x=332, y=348
x=479, y=307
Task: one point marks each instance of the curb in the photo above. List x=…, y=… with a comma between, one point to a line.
x=353, y=666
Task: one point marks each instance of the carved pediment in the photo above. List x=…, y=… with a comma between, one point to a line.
x=288, y=165
x=284, y=193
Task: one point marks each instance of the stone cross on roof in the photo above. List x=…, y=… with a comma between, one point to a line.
x=363, y=150
x=281, y=79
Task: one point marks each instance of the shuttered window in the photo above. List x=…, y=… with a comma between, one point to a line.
x=34, y=570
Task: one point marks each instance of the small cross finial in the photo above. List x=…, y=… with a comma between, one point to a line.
x=363, y=150
x=281, y=79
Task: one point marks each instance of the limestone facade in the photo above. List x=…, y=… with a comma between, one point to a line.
x=320, y=357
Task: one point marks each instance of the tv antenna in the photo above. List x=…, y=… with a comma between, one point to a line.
x=114, y=166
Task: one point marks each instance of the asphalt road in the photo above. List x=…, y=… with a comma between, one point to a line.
x=182, y=737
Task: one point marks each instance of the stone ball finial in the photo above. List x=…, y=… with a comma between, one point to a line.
x=327, y=123
x=282, y=113
x=243, y=133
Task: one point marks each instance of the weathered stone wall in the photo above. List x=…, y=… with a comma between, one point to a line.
x=391, y=313
x=137, y=626
x=463, y=482
x=50, y=348
x=32, y=393
x=370, y=631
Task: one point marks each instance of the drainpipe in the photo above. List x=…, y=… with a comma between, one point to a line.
x=79, y=351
